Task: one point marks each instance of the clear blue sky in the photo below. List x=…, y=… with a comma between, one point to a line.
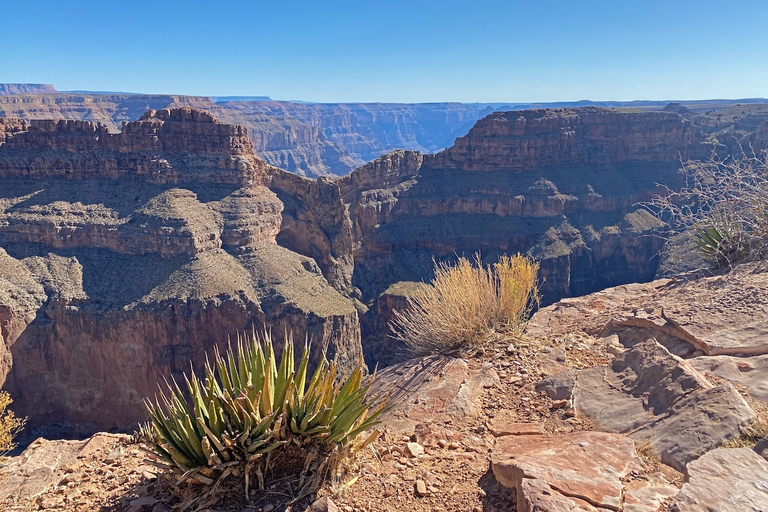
x=397, y=50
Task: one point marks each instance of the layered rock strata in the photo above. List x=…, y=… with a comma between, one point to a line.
x=127, y=257
x=560, y=185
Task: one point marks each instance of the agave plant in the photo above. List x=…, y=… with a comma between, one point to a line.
x=247, y=407
x=710, y=243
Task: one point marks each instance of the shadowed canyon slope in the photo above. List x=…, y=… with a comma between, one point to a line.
x=560, y=185
x=124, y=256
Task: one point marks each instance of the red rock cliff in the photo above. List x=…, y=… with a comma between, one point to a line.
x=127, y=257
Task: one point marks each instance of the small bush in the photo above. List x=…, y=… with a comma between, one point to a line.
x=10, y=424
x=723, y=207
x=251, y=420
x=466, y=305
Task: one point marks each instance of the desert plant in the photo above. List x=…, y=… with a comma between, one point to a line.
x=251, y=418
x=723, y=206
x=467, y=305
x=10, y=424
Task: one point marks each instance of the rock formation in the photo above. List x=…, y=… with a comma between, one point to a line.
x=9, y=89
x=127, y=257
x=560, y=185
x=307, y=139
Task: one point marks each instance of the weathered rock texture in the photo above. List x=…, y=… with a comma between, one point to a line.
x=657, y=397
x=560, y=185
x=306, y=139
x=581, y=471
x=8, y=89
x=726, y=481
x=127, y=257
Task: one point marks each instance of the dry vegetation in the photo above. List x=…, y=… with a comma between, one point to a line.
x=10, y=424
x=724, y=208
x=468, y=305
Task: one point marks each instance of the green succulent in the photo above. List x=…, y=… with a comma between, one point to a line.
x=712, y=245
x=248, y=406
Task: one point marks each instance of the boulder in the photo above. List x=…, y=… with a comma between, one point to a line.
x=724, y=480
x=565, y=472
x=655, y=396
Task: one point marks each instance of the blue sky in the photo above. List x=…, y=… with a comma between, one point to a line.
x=398, y=50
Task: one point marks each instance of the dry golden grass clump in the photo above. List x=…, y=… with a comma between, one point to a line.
x=468, y=305
x=10, y=424
x=252, y=421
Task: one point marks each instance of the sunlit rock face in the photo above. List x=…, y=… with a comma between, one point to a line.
x=560, y=185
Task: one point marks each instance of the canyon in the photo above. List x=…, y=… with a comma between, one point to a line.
x=126, y=256
x=309, y=139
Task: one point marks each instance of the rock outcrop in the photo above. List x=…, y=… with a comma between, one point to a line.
x=127, y=257
x=9, y=89
x=560, y=185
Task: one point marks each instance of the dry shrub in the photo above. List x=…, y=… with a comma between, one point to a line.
x=468, y=305
x=723, y=206
x=10, y=424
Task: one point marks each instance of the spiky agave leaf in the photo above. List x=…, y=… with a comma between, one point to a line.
x=248, y=405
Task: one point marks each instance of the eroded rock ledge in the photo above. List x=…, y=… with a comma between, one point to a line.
x=126, y=257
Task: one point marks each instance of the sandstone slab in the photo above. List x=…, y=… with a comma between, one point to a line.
x=728, y=313
x=748, y=371
x=582, y=469
x=660, y=398
x=725, y=480
x=647, y=499
x=640, y=384
x=696, y=424
x=558, y=386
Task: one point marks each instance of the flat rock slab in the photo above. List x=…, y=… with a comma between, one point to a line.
x=38, y=468
x=725, y=480
x=578, y=471
x=719, y=315
x=647, y=499
x=696, y=424
x=653, y=395
x=421, y=388
x=640, y=384
x=751, y=372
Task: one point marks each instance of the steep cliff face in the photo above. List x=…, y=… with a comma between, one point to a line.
x=8, y=89
x=559, y=184
x=306, y=139
x=111, y=110
x=335, y=138
x=126, y=257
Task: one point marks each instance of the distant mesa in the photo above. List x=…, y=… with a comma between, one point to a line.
x=224, y=99
x=9, y=89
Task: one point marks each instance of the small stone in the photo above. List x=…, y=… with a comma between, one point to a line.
x=144, y=501
x=268, y=508
x=559, y=404
x=114, y=455
x=414, y=449
x=323, y=504
x=421, y=488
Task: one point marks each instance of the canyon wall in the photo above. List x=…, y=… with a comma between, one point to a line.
x=306, y=139
x=348, y=134
x=560, y=185
x=126, y=257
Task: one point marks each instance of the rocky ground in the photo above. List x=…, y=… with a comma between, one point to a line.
x=605, y=404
